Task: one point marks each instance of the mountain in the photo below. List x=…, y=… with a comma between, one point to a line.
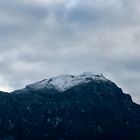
x=68, y=107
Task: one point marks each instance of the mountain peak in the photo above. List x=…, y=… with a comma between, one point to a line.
x=65, y=82
x=93, y=105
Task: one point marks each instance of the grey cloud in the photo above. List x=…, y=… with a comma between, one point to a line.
x=40, y=41
x=100, y=14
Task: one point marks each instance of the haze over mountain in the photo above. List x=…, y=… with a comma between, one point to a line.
x=66, y=107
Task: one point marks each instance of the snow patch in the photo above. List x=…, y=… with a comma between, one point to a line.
x=65, y=82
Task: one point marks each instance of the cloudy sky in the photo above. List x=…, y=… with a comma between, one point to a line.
x=44, y=38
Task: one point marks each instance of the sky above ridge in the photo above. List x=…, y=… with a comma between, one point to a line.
x=44, y=38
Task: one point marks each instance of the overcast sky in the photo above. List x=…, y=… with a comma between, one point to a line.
x=44, y=38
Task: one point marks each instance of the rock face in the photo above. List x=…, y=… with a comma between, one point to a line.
x=69, y=107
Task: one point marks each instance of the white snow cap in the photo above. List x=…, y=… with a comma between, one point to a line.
x=65, y=82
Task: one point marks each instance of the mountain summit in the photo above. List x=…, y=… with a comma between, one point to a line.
x=65, y=82
x=68, y=107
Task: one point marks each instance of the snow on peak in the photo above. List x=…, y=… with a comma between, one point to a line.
x=90, y=74
x=65, y=82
